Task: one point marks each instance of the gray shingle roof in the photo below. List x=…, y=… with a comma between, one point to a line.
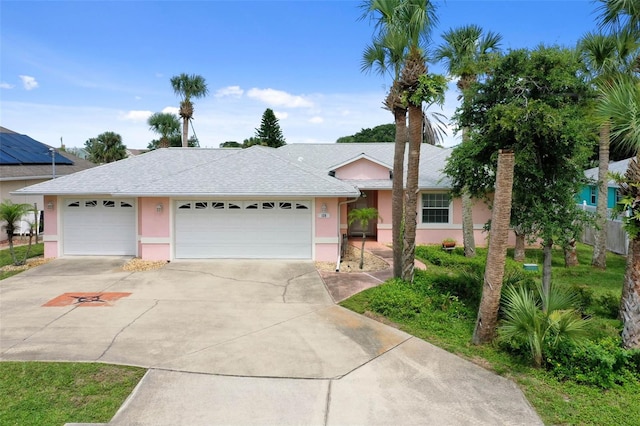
x=614, y=167
x=326, y=156
x=256, y=171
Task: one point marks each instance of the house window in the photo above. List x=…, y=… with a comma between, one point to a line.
x=201, y=205
x=108, y=203
x=435, y=208
x=124, y=204
x=268, y=205
x=592, y=194
x=91, y=203
x=217, y=206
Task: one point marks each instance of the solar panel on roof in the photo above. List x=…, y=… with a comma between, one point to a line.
x=21, y=149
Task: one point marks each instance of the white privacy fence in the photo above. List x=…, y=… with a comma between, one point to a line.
x=617, y=237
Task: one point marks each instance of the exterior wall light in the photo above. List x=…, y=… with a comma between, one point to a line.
x=50, y=205
x=323, y=208
x=159, y=207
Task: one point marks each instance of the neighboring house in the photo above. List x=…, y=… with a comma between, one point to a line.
x=131, y=152
x=589, y=194
x=25, y=161
x=290, y=202
x=617, y=237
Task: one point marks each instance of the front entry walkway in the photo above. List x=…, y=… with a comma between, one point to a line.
x=343, y=285
x=245, y=342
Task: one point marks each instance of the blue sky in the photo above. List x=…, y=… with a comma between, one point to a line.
x=75, y=69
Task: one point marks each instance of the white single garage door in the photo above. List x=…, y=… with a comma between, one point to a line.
x=99, y=227
x=279, y=229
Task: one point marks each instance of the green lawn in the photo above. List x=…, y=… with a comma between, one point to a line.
x=55, y=393
x=441, y=309
x=5, y=257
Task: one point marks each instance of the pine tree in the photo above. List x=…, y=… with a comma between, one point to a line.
x=269, y=132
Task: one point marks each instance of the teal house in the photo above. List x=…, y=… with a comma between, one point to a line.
x=589, y=194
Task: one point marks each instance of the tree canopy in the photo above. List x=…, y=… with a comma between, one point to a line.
x=105, y=148
x=269, y=132
x=381, y=133
x=535, y=103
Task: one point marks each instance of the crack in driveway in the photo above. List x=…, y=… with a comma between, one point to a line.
x=125, y=327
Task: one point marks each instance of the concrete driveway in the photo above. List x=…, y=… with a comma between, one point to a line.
x=243, y=342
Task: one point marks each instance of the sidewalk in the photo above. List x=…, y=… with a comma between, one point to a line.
x=342, y=285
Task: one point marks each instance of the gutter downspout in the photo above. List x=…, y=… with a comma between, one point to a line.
x=340, y=204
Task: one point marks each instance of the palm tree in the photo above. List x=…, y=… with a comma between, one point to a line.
x=621, y=104
x=364, y=216
x=165, y=124
x=541, y=321
x=187, y=87
x=487, y=321
x=105, y=148
x=620, y=15
x=386, y=54
x=12, y=214
x=465, y=53
x=607, y=57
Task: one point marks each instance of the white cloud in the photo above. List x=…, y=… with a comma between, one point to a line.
x=137, y=98
x=234, y=91
x=136, y=116
x=4, y=85
x=281, y=115
x=316, y=120
x=279, y=98
x=171, y=110
x=28, y=82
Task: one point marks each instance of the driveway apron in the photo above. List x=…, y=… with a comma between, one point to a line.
x=243, y=342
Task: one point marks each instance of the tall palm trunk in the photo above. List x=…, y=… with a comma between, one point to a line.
x=468, y=237
x=185, y=132
x=599, y=258
x=487, y=321
x=467, y=224
x=571, y=254
x=630, y=300
x=518, y=251
x=547, y=255
x=411, y=206
x=630, y=303
x=397, y=193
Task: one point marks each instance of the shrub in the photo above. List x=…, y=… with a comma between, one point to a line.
x=527, y=325
x=603, y=364
x=466, y=286
x=396, y=300
x=608, y=305
x=584, y=297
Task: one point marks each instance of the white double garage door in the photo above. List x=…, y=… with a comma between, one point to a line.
x=273, y=229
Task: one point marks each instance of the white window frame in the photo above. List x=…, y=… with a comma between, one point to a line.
x=422, y=208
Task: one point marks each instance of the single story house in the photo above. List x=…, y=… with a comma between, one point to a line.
x=589, y=194
x=260, y=202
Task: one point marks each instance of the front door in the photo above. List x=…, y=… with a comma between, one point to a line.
x=369, y=200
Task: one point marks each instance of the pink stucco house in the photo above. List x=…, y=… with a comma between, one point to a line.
x=289, y=203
